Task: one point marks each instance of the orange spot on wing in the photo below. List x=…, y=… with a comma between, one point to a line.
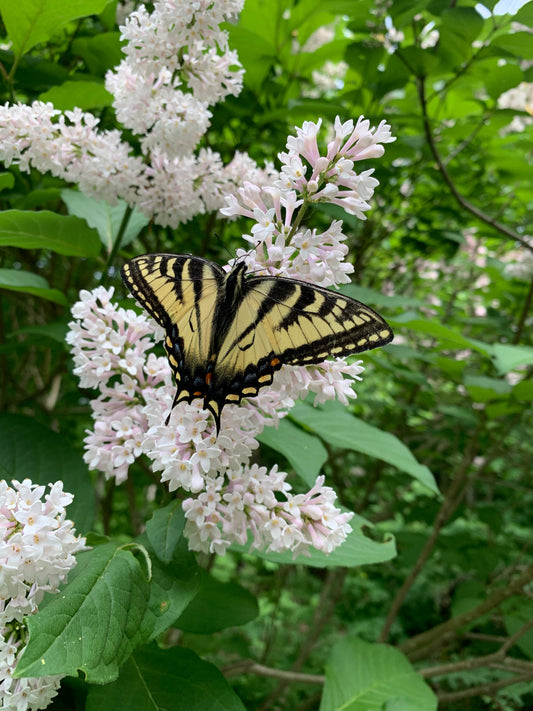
x=274, y=362
x=208, y=378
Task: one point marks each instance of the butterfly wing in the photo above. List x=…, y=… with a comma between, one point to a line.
x=181, y=293
x=284, y=321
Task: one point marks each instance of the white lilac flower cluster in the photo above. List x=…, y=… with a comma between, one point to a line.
x=230, y=499
x=282, y=247
x=37, y=547
x=177, y=64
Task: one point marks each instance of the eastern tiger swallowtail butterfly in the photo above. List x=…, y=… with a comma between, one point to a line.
x=227, y=333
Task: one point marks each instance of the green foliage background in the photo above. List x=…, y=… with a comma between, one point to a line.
x=448, y=402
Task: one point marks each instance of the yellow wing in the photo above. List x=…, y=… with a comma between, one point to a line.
x=181, y=293
x=284, y=321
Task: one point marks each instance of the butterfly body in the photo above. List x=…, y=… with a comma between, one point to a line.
x=228, y=333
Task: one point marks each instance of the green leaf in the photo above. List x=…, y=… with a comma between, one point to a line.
x=447, y=336
x=41, y=197
x=217, y=606
x=94, y=625
x=255, y=53
x=518, y=44
x=304, y=451
x=34, y=74
x=508, y=357
x=421, y=62
x=517, y=613
x=174, y=585
x=165, y=529
x=105, y=218
x=464, y=22
x=523, y=390
x=359, y=14
x=376, y=299
x=31, y=450
x=28, y=283
x=255, y=16
x=84, y=94
x=63, y=234
x=56, y=330
x=356, y=550
x=173, y=679
x=33, y=21
x=339, y=428
x=101, y=52
x=7, y=181
x=524, y=16
x=361, y=676
x=497, y=77
x=483, y=389
x=332, y=52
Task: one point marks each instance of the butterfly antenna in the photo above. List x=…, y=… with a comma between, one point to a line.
x=224, y=246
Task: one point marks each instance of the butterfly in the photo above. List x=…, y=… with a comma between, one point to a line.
x=227, y=333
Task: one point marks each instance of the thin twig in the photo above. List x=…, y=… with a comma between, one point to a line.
x=248, y=666
x=483, y=689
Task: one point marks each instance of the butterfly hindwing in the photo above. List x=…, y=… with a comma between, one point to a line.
x=227, y=334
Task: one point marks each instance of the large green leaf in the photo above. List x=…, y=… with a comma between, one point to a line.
x=174, y=679
x=339, y=428
x=94, y=625
x=27, y=283
x=106, y=219
x=64, y=234
x=362, y=676
x=304, y=451
x=33, y=21
x=31, y=450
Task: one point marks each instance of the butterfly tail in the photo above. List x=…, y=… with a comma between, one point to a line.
x=215, y=408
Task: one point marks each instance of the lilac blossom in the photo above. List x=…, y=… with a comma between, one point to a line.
x=37, y=547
